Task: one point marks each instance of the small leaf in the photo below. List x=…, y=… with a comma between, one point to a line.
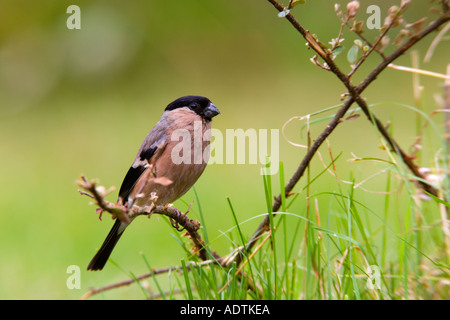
x=358, y=43
x=352, y=55
x=352, y=117
x=338, y=50
x=358, y=26
x=416, y=26
x=296, y=2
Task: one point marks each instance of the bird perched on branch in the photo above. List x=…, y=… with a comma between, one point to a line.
x=168, y=163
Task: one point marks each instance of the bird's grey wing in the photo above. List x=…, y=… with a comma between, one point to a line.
x=149, y=149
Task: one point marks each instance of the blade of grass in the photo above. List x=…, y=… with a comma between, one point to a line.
x=308, y=230
x=350, y=206
x=161, y=291
x=186, y=280
x=236, y=222
x=205, y=235
x=282, y=184
x=144, y=290
x=232, y=283
x=328, y=250
x=285, y=274
x=386, y=212
x=268, y=192
x=180, y=285
x=241, y=236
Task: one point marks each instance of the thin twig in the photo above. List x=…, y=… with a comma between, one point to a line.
x=95, y=291
x=435, y=42
x=419, y=71
x=378, y=41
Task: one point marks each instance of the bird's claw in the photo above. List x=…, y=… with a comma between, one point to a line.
x=181, y=217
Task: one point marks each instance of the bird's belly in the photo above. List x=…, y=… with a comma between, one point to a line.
x=171, y=183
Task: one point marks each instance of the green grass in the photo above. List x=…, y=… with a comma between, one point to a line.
x=331, y=263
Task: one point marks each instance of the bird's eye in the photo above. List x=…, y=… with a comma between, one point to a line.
x=193, y=106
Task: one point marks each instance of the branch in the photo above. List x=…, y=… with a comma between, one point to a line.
x=125, y=214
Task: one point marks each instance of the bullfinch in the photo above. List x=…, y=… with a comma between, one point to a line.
x=168, y=163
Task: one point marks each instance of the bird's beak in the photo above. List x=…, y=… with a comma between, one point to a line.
x=211, y=111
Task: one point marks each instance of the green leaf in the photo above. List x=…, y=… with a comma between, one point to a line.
x=296, y=2
x=338, y=50
x=352, y=55
x=438, y=199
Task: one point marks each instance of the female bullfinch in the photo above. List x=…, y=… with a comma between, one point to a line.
x=168, y=163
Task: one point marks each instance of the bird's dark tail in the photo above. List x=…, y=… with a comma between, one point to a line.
x=99, y=260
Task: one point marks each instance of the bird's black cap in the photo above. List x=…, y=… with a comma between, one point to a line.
x=200, y=105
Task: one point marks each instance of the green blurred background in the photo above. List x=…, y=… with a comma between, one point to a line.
x=80, y=102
